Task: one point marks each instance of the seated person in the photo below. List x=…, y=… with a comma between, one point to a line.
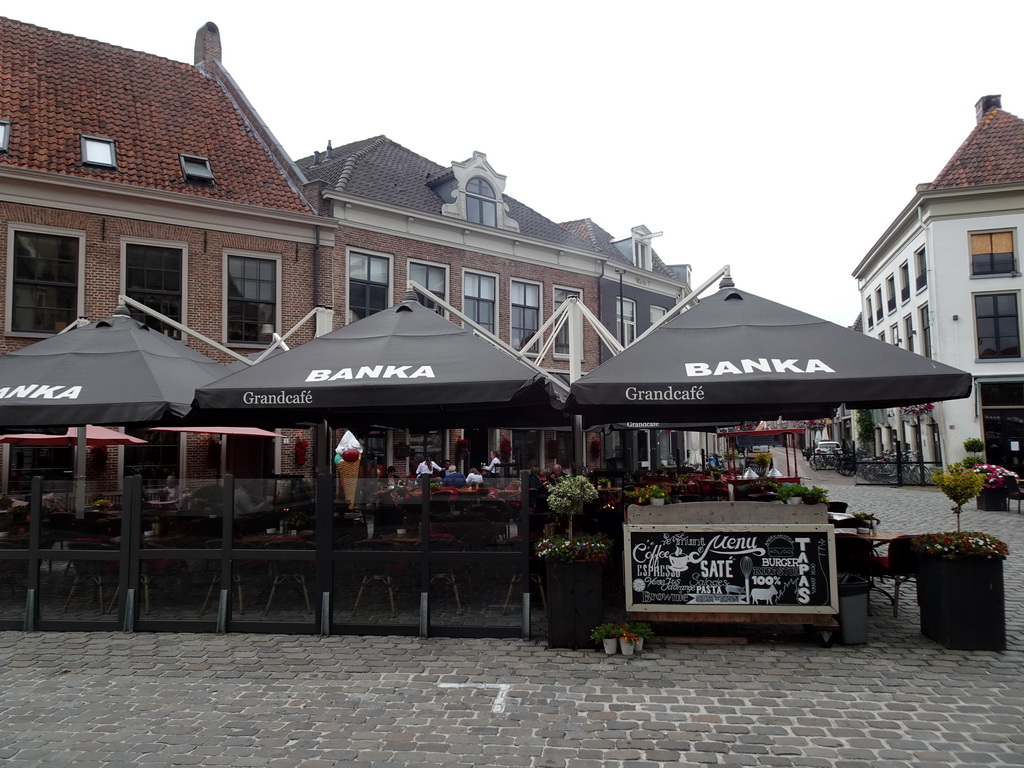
x=170, y=493
x=453, y=478
x=247, y=502
x=474, y=476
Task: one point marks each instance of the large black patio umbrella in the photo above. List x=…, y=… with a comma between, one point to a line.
x=114, y=371
x=403, y=367
x=739, y=356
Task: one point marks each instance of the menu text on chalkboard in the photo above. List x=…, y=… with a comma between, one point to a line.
x=751, y=568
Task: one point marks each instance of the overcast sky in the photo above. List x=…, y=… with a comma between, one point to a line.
x=779, y=138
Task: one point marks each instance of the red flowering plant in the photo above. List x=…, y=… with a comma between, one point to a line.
x=995, y=476
x=961, y=545
x=301, y=446
x=917, y=410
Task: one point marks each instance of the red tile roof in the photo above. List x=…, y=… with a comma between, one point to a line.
x=55, y=87
x=992, y=154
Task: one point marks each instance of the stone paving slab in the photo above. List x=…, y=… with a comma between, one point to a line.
x=111, y=699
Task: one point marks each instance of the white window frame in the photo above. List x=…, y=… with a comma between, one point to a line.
x=348, y=277
x=180, y=245
x=894, y=334
x=573, y=291
x=974, y=310
x=495, y=302
x=909, y=332
x=274, y=257
x=14, y=227
x=656, y=316
x=5, y=135
x=90, y=143
x=870, y=312
x=540, y=307
x=628, y=326
x=447, y=281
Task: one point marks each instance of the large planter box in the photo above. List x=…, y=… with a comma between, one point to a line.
x=994, y=500
x=574, y=603
x=962, y=605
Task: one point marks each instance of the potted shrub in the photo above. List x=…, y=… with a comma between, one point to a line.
x=608, y=635
x=814, y=495
x=573, y=564
x=960, y=589
x=974, y=446
x=865, y=521
x=628, y=640
x=642, y=630
x=791, y=493
x=995, y=493
x=763, y=461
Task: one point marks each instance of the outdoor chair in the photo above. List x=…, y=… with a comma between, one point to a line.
x=1015, y=494
x=237, y=571
x=382, y=573
x=855, y=555
x=899, y=564
x=535, y=578
x=838, y=506
x=294, y=571
x=448, y=544
x=99, y=573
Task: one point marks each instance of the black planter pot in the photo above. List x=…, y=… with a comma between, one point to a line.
x=994, y=500
x=574, y=603
x=962, y=604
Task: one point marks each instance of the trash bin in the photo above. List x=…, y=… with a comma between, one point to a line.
x=853, y=609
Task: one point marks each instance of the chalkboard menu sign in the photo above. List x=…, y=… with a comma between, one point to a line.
x=731, y=568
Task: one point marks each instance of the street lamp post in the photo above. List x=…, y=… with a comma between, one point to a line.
x=619, y=308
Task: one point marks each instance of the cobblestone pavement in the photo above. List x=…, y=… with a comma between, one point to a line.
x=108, y=699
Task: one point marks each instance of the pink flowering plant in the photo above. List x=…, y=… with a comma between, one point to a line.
x=586, y=548
x=917, y=410
x=996, y=476
x=961, y=545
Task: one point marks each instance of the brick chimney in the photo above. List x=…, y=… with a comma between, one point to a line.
x=985, y=103
x=207, y=46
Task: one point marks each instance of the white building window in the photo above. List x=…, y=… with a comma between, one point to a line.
x=479, y=294
x=45, y=275
x=559, y=297
x=625, y=320
x=435, y=279
x=525, y=316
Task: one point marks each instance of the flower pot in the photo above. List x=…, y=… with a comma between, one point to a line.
x=808, y=500
x=962, y=605
x=657, y=502
x=794, y=500
x=626, y=648
x=574, y=602
x=611, y=645
x=994, y=499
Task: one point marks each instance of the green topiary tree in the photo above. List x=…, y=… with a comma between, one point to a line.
x=960, y=485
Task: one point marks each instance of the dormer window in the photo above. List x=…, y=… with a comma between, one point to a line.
x=97, y=151
x=481, y=204
x=473, y=191
x=642, y=254
x=5, y=135
x=196, y=168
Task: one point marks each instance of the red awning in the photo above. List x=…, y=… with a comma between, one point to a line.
x=232, y=431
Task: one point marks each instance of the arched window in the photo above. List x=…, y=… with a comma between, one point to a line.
x=481, y=202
